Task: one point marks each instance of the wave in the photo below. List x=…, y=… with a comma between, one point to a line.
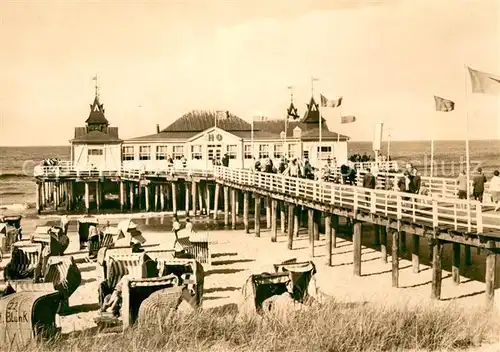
x=14, y=176
x=17, y=206
x=12, y=193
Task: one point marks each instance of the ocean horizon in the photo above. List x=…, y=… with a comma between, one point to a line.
x=17, y=184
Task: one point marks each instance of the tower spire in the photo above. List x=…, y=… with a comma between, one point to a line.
x=96, y=85
x=290, y=88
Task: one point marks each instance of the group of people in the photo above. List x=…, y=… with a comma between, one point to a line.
x=478, y=182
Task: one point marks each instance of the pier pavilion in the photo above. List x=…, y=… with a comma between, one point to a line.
x=201, y=137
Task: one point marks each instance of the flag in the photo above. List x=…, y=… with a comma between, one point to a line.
x=94, y=78
x=483, y=82
x=347, y=119
x=327, y=103
x=443, y=104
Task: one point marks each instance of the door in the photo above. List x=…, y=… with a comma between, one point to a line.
x=214, y=153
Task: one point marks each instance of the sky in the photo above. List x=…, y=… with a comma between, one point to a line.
x=159, y=60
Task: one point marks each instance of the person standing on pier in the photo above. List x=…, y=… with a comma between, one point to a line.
x=478, y=185
x=462, y=185
x=495, y=189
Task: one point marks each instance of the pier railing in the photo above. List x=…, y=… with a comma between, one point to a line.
x=438, y=212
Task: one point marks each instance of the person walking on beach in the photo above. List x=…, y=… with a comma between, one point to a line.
x=189, y=226
x=495, y=189
x=176, y=226
x=462, y=185
x=478, y=185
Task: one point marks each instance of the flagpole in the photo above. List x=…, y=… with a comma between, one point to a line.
x=432, y=156
x=467, y=161
x=253, y=147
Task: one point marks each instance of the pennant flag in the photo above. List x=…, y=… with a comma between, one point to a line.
x=94, y=78
x=443, y=104
x=347, y=119
x=327, y=103
x=483, y=82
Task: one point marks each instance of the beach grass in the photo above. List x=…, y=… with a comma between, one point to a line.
x=330, y=326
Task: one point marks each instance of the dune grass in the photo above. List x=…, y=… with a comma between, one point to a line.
x=329, y=326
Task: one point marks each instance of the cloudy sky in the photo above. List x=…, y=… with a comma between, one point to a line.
x=158, y=60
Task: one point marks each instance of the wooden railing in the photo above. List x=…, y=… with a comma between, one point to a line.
x=452, y=213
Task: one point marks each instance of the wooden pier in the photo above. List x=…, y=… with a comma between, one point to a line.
x=436, y=221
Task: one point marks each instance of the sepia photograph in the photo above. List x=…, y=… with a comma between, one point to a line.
x=249, y=175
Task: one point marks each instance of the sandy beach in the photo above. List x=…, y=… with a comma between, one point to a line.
x=236, y=255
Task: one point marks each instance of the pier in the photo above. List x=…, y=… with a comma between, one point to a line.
x=290, y=203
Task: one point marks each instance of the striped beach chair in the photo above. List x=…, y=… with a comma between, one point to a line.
x=63, y=273
x=199, y=248
x=105, y=240
x=260, y=287
x=23, y=263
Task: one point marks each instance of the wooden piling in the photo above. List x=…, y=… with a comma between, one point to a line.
x=268, y=212
x=174, y=198
x=257, y=215
x=87, y=195
x=328, y=233
x=282, y=206
x=437, y=253
x=383, y=243
x=335, y=229
x=200, y=198
x=274, y=220
x=162, y=197
x=237, y=202
x=415, y=253
x=310, y=228
x=194, y=188
x=291, y=211
x=317, y=220
x=226, y=206
x=376, y=235
x=455, y=263
x=216, y=200
x=38, y=196
x=147, y=191
x=207, y=198
x=122, y=195
x=132, y=195
x=186, y=197
x=357, y=248
x=246, y=211
x=491, y=261
x=296, y=221
x=395, y=258
x=403, y=241
x=233, y=208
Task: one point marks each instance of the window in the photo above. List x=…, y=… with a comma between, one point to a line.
x=196, y=152
x=278, y=151
x=95, y=152
x=263, y=151
x=178, y=152
x=128, y=153
x=144, y=152
x=231, y=151
x=248, y=151
x=292, y=150
x=325, y=153
x=161, y=152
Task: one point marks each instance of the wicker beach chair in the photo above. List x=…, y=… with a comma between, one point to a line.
x=154, y=309
x=64, y=274
x=83, y=229
x=24, y=261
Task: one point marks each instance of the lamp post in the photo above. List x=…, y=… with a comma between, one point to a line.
x=283, y=139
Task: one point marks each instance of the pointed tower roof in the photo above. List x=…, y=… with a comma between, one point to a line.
x=96, y=115
x=292, y=112
x=312, y=112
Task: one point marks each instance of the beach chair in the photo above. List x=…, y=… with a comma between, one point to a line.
x=303, y=278
x=83, y=229
x=8, y=235
x=52, y=237
x=14, y=221
x=24, y=262
x=65, y=276
x=27, y=315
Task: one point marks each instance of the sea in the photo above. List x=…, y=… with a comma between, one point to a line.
x=17, y=185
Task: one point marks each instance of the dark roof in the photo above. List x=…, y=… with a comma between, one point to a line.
x=165, y=136
x=312, y=113
x=95, y=137
x=197, y=121
x=96, y=115
x=309, y=130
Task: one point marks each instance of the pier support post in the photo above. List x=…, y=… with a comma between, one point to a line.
x=98, y=195
x=317, y=220
x=282, y=206
x=310, y=228
x=122, y=195
x=147, y=191
x=38, y=196
x=87, y=195
x=274, y=220
x=157, y=197
x=491, y=261
x=437, y=251
x=376, y=235
x=207, y=198
x=174, y=198
x=226, y=205
x=291, y=211
x=162, y=197
x=395, y=257
x=296, y=220
x=216, y=200
x=415, y=253
x=43, y=195
x=403, y=241
x=246, y=210
x=237, y=202
x=56, y=195
x=200, y=198
x=268, y=212
x=455, y=263
x=383, y=243
x=334, y=230
x=257, y=215
x=328, y=233
x=467, y=255
x=233, y=208
x=131, y=195
x=186, y=197
x=357, y=248
x=194, y=188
